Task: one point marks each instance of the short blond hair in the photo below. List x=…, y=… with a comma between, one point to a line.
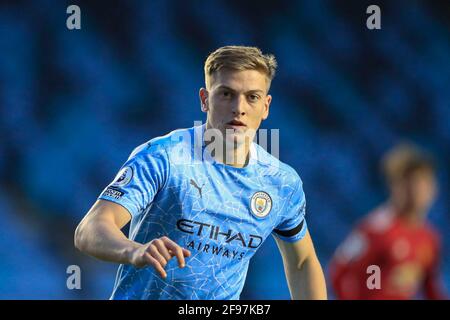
x=403, y=160
x=240, y=58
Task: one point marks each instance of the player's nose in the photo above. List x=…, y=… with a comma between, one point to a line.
x=239, y=105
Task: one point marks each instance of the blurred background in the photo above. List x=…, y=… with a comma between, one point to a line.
x=74, y=104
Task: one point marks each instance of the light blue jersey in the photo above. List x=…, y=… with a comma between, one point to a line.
x=222, y=214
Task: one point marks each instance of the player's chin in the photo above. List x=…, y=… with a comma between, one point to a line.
x=237, y=138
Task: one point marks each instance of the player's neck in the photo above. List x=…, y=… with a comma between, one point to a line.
x=229, y=153
x=240, y=156
x=237, y=156
x=411, y=216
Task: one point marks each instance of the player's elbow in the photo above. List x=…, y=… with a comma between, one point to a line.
x=80, y=236
x=310, y=260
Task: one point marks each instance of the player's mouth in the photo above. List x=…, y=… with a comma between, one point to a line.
x=236, y=125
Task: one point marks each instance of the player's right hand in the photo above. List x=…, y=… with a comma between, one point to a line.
x=157, y=254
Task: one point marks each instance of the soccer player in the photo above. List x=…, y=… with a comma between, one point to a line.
x=394, y=237
x=209, y=207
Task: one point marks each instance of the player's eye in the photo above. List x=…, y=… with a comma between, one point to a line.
x=226, y=94
x=253, y=97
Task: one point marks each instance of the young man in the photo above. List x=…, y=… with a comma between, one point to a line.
x=208, y=196
x=395, y=237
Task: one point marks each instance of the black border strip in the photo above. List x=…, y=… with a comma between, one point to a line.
x=291, y=232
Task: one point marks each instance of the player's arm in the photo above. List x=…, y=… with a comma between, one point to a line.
x=99, y=235
x=133, y=190
x=302, y=268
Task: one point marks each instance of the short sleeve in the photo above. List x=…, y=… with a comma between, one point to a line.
x=293, y=224
x=139, y=179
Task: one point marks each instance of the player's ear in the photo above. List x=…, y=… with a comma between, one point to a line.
x=203, y=94
x=266, y=107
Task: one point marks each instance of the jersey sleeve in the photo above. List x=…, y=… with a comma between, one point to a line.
x=293, y=224
x=139, y=179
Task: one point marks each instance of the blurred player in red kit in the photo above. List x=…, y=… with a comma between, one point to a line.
x=394, y=237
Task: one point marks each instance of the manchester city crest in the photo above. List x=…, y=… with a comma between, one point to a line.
x=260, y=204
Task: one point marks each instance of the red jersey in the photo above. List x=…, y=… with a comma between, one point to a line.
x=407, y=256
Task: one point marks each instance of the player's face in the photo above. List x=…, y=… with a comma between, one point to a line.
x=236, y=103
x=422, y=189
x=418, y=191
